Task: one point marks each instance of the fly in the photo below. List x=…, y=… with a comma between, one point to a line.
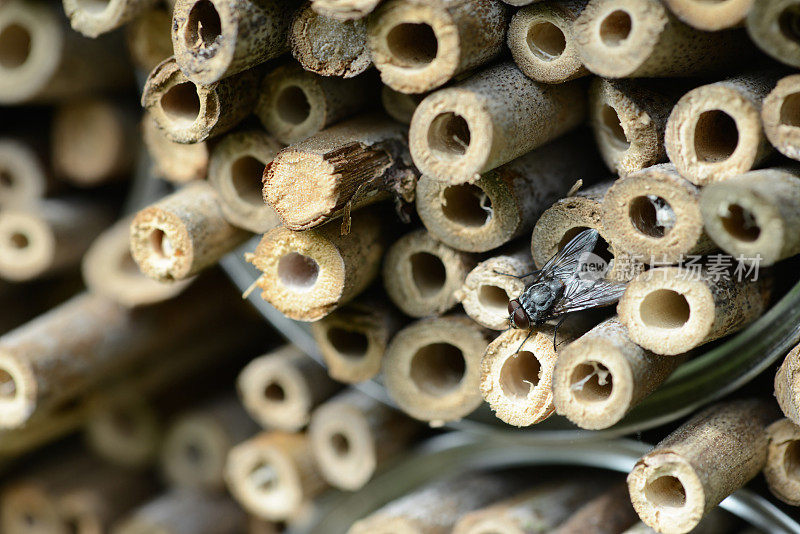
x=558, y=288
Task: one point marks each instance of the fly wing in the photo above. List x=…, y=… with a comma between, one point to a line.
x=580, y=294
x=565, y=263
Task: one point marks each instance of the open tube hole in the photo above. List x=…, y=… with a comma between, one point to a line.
x=651, y=215
x=340, y=444
x=298, y=272
x=181, y=103
x=716, y=136
x=348, y=343
x=292, y=105
x=264, y=477
x=160, y=244
x=15, y=46
x=203, y=26
x=601, y=249
x=791, y=460
x=6, y=179
x=193, y=453
x=449, y=134
x=428, y=273
x=665, y=491
x=546, y=41
x=613, y=125
x=8, y=386
x=493, y=298
x=740, y=223
x=664, y=308
x=274, y=392
x=124, y=422
x=412, y=45
x=591, y=382
x=19, y=240
x=438, y=368
x=790, y=110
x=467, y=205
x=520, y=374
x=789, y=23
x=615, y=28
x=246, y=174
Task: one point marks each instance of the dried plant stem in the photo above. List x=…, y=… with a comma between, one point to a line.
x=176, y=162
x=783, y=455
x=183, y=512
x=780, y=116
x=86, y=18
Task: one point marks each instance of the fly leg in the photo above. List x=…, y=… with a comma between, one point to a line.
x=518, y=276
x=555, y=331
x=524, y=340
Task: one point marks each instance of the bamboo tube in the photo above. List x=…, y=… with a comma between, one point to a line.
x=504, y=203
x=185, y=512
x=714, y=131
x=273, y=475
x=48, y=237
x=435, y=508
x=328, y=46
x=148, y=38
x=602, y=375
x=654, y=215
x=671, y=310
x=79, y=344
x=628, y=118
x=420, y=45
x=567, y=218
x=772, y=25
x=307, y=275
x=182, y=234
x=176, y=162
x=93, y=141
x=234, y=171
x=344, y=9
x=787, y=385
x=421, y=275
x=96, y=18
x=295, y=104
x=432, y=368
x=752, y=216
x=352, y=436
x=353, y=339
x=215, y=39
x=23, y=177
x=782, y=470
x=690, y=471
x=259, y=526
x=42, y=60
x=711, y=16
x=124, y=428
x=533, y=511
x=780, y=116
x=516, y=377
x=109, y=270
x=641, y=39
x=197, y=443
x=349, y=164
x=190, y=113
x=492, y=283
x=76, y=494
x=400, y=106
x=281, y=388
x=609, y=513
x=489, y=119
x=541, y=42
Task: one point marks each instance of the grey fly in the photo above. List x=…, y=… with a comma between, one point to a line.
x=558, y=289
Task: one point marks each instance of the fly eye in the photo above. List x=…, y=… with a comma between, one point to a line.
x=521, y=319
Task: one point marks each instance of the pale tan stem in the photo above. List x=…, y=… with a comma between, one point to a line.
x=787, y=385
x=182, y=234
x=235, y=168
x=344, y=9
x=771, y=24
x=711, y=16
x=608, y=513
x=93, y=18
x=273, y=475
x=421, y=274
x=184, y=512
x=780, y=116
x=352, y=436
x=179, y=163
x=329, y=46
x=419, y=45
x=690, y=471
x=24, y=178
x=505, y=202
x=432, y=368
x=281, y=388
x=189, y=113
x=148, y=38
x=307, y=275
x=602, y=375
x=782, y=470
x=490, y=119
x=754, y=215
x=216, y=39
